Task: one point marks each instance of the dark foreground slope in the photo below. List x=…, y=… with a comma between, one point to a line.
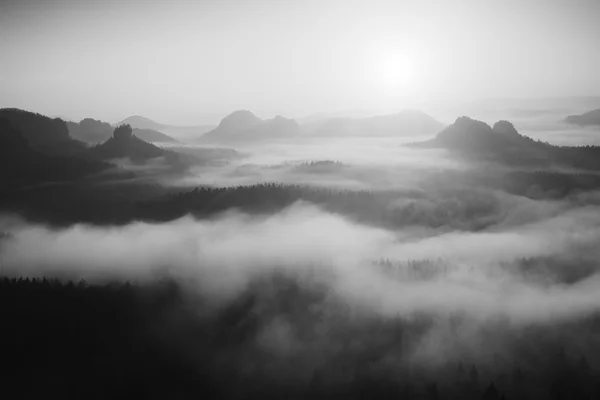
x=92, y=342
x=43, y=134
x=157, y=341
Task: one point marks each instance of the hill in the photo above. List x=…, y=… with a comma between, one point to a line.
x=590, y=118
x=90, y=130
x=502, y=143
x=43, y=134
x=125, y=145
x=181, y=133
x=404, y=123
x=523, y=108
x=20, y=165
x=151, y=135
x=139, y=122
x=93, y=131
x=243, y=126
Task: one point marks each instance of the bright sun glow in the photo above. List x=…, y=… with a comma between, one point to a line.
x=396, y=70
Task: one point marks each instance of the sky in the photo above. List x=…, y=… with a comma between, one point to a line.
x=185, y=62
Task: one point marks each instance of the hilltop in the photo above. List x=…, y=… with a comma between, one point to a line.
x=93, y=131
x=125, y=145
x=179, y=133
x=502, y=143
x=243, y=125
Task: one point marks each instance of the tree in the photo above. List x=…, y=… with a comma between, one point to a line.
x=123, y=132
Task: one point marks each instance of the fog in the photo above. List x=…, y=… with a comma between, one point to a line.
x=351, y=163
x=478, y=272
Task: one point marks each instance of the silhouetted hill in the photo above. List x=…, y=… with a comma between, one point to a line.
x=241, y=119
x=20, y=165
x=524, y=108
x=93, y=131
x=467, y=134
x=242, y=125
x=139, y=122
x=151, y=135
x=89, y=130
x=404, y=123
x=124, y=144
x=43, y=134
x=590, y=118
x=172, y=131
x=502, y=143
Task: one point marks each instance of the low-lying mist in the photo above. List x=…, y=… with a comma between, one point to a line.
x=335, y=297
x=356, y=163
x=477, y=274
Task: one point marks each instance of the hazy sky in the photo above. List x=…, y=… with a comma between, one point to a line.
x=183, y=61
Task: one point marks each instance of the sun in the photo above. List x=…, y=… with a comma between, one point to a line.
x=396, y=70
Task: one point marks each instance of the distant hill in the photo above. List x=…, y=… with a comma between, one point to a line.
x=244, y=126
x=151, y=135
x=89, y=130
x=181, y=133
x=502, y=143
x=324, y=116
x=524, y=108
x=404, y=123
x=21, y=165
x=590, y=118
x=139, y=122
x=93, y=131
x=43, y=134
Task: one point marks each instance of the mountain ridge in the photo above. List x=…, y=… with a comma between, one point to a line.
x=475, y=140
x=402, y=123
x=94, y=131
x=243, y=125
x=590, y=118
x=179, y=133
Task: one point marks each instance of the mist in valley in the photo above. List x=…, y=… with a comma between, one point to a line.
x=359, y=261
x=239, y=200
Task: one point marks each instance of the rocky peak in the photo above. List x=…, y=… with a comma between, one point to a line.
x=505, y=128
x=123, y=133
x=239, y=120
